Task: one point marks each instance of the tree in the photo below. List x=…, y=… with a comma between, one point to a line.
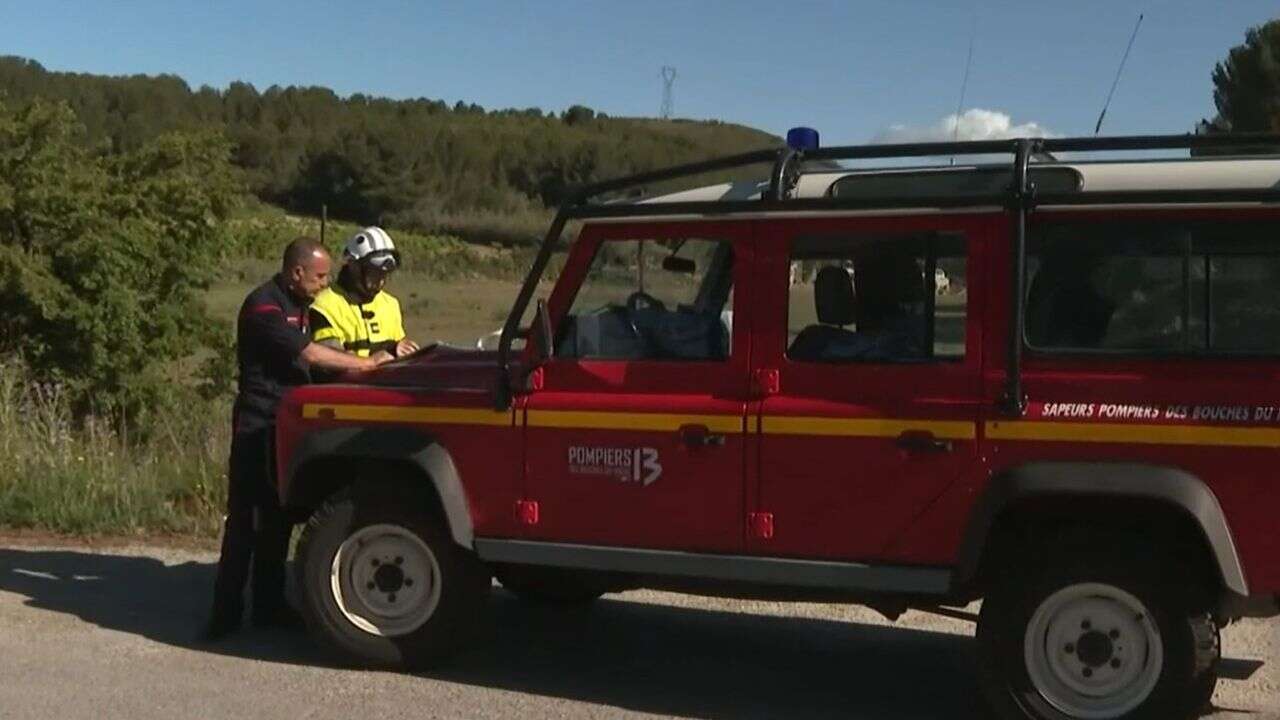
x=103, y=258
x=422, y=163
x=1246, y=86
x=578, y=114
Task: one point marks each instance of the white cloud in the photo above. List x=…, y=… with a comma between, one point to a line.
x=974, y=124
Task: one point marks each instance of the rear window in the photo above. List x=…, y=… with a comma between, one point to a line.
x=1154, y=288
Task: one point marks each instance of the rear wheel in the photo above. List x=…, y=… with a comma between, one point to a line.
x=382, y=584
x=1094, y=636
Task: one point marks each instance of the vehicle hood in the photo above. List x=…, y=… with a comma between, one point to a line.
x=437, y=366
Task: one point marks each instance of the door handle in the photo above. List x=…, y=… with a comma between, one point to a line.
x=695, y=435
x=921, y=441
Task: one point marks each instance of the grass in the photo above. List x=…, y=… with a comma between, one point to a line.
x=261, y=232
x=89, y=477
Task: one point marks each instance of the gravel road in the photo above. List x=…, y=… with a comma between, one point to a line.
x=107, y=633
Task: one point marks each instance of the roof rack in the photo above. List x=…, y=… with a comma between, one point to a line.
x=786, y=169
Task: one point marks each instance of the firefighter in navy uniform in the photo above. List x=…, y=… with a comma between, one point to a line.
x=274, y=352
x=357, y=314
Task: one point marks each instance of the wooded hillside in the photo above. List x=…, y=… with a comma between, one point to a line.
x=420, y=163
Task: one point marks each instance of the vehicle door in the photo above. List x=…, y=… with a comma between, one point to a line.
x=635, y=434
x=870, y=375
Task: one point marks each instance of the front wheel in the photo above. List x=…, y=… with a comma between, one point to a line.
x=382, y=584
x=1103, y=640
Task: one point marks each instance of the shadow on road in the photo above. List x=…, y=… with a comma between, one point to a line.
x=700, y=663
x=651, y=658
x=139, y=595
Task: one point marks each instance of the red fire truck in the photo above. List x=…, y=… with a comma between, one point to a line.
x=762, y=388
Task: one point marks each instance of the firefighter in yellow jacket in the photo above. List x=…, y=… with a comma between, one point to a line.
x=356, y=314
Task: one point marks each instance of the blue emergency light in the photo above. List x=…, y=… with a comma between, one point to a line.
x=802, y=138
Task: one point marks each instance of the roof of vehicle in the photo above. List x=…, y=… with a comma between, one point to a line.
x=1197, y=173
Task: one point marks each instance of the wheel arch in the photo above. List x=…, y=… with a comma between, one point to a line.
x=324, y=459
x=1175, y=492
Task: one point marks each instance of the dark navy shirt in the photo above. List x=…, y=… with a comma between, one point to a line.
x=271, y=332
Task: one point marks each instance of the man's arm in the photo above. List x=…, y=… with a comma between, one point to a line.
x=326, y=358
x=324, y=334
x=266, y=325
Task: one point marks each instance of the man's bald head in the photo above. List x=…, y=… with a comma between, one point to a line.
x=305, y=268
x=301, y=251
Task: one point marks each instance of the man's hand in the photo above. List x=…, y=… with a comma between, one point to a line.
x=406, y=347
x=382, y=356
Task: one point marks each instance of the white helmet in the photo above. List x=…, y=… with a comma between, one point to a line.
x=373, y=245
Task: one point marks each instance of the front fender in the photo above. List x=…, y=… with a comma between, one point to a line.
x=1169, y=486
x=418, y=449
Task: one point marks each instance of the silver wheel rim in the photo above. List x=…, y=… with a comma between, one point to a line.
x=1093, y=651
x=385, y=580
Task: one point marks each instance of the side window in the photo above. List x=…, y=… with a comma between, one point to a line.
x=1243, y=313
x=669, y=299
x=1153, y=288
x=892, y=299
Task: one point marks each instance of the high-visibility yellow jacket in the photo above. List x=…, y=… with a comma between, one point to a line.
x=361, y=328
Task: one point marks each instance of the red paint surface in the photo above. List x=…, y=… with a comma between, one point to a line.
x=860, y=498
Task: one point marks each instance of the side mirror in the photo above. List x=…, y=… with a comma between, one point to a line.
x=546, y=340
x=684, y=266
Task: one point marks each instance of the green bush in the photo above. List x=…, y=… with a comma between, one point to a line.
x=103, y=257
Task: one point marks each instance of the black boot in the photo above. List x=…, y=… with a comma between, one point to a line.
x=223, y=622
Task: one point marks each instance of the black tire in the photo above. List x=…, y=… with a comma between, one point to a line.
x=550, y=585
x=1011, y=605
x=459, y=586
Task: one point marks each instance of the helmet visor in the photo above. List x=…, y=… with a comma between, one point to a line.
x=384, y=261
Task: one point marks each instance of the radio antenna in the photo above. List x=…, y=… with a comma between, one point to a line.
x=964, y=83
x=1097, y=128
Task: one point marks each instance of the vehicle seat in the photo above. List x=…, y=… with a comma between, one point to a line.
x=607, y=335
x=834, y=302
x=682, y=335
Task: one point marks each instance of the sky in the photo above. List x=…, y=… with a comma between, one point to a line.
x=856, y=71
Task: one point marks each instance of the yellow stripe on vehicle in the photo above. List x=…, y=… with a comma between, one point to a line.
x=1146, y=434
x=866, y=427
x=417, y=414
x=598, y=420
